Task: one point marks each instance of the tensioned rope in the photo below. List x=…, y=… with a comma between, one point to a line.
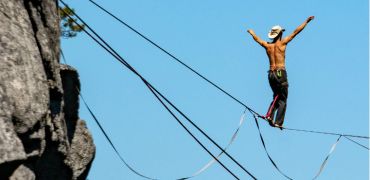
x=216, y=86
x=232, y=139
x=92, y=114
x=327, y=133
x=111, y=143
x=121, y=60
x=356, y=142
x=322, y=166
x=173, y=56
x=264, y=147
x=64, y=58
x=201, y=170
x=254, y=113
x=166, y=108
x=215, y=158
x=206, y=79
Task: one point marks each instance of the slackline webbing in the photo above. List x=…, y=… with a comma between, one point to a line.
x=92, y=114
x=327, y=157
x=327, y=133
x=267, y=153
x=203, y=77
x=253, y=112
x=172, y=56
x=214, y=157
x=120, y=59
x=110, y=141
x=276, y=167
x=166, y=108
x=201, y=170
x=209, y=138
x=233, y=137
x=351, y=140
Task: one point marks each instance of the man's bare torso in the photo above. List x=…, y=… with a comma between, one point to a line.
x=276, y=50
x=276, y=54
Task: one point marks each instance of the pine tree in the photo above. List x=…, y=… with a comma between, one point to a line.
x=69, y=28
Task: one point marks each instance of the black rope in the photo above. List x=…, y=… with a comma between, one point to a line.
x=110, y=141
x=209, y=138
x=174, y=57
x=149, y=87
x=121, y=60
x=268, y=154
x=104, y=132
x=167, y=108
x=203, y=77
x=328, y=133
x=252, y=111
x=356, y=142
x=63, y=57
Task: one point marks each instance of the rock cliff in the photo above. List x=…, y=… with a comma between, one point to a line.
x=41, y=135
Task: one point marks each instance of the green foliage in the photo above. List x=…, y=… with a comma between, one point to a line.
x=69, y=28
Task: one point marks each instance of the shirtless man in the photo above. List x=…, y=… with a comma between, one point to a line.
x=277, y=74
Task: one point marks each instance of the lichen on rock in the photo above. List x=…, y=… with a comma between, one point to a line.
x=41, y=135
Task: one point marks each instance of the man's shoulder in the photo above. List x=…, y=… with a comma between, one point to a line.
x=270, y=45
x=280, y=44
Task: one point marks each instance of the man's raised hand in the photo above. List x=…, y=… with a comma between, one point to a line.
x=310, y=18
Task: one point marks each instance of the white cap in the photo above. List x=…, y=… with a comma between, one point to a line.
x=275, y=31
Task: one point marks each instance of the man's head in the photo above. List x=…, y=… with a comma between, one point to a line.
x=275, y=32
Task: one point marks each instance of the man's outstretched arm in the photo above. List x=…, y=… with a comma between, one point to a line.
x=257, y=39
x=298, y=30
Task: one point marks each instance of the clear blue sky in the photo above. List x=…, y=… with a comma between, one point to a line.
x=328, y=72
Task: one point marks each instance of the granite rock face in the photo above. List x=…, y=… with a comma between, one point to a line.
x=41, y=135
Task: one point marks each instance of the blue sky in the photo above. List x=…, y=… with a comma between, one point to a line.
x=328, y=73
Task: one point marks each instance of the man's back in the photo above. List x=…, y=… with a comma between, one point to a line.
x=276, y=54
x=276, y=49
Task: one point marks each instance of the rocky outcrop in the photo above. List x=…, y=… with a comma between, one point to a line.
x=41, y=135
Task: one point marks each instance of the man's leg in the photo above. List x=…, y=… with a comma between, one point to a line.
x=282, y=103
x=280, y=113
x=274, y=84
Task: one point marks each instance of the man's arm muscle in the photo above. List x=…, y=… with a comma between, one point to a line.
x=257, y=39
x=298, y=30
